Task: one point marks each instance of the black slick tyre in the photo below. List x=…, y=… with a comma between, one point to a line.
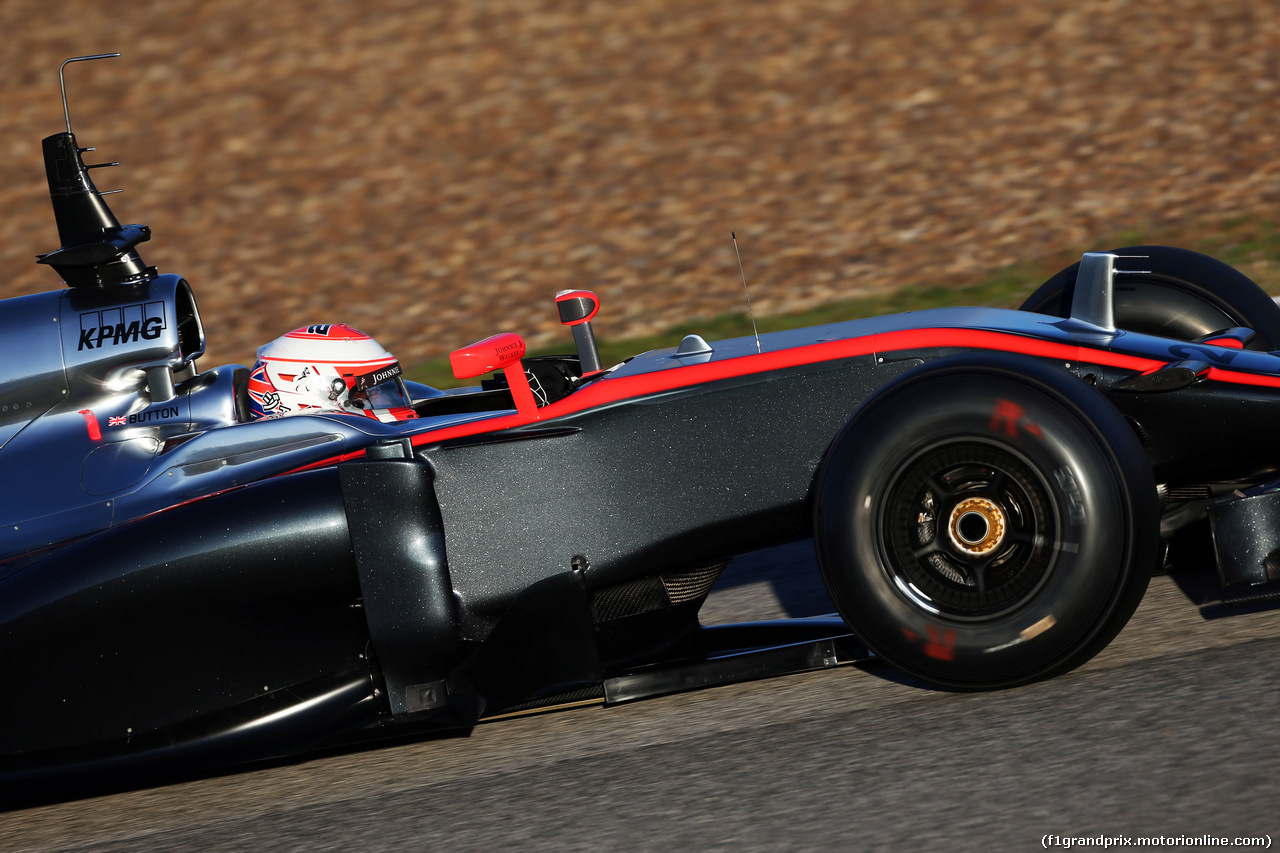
x=1182, y=294
x=985, y=521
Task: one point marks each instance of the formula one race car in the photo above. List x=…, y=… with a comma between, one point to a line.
x=188, y=579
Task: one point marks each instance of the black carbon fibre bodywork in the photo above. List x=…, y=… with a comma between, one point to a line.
x=1206, y=433
x=178, y=616
x=398, y=542
x=422, y=589
x=659, y=483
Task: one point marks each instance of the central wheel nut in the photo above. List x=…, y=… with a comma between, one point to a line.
x=976, y=526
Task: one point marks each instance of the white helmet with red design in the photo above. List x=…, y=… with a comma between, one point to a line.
x=328, y=368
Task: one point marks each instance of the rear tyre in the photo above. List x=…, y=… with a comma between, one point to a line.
x=986, y=521
x=1186, y=295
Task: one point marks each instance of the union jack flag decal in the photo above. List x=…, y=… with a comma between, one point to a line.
x=117, y=421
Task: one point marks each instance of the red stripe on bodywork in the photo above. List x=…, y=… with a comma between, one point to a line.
x=1235, y=377
x=609, y=391
x=615, y=390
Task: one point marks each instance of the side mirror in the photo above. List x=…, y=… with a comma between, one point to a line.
x=576, y=308
x=493, y=353
x=500, y=352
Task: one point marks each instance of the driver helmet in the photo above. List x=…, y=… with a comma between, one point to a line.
x=328, y=368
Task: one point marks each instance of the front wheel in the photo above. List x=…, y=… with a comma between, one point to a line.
x=1182, y=294
x=985, y=521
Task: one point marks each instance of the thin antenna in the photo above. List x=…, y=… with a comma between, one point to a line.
x=744, y=290
x=63, y=83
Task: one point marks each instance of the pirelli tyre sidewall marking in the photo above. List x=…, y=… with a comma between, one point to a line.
x=1048, y=436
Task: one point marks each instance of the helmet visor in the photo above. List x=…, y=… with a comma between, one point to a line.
x=381, y=389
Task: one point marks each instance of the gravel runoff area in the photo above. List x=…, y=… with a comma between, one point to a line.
x=434, y=172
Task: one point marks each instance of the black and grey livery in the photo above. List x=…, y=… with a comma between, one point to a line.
x=184, y=587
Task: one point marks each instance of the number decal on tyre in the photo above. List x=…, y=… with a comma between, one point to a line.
x=1008, y=416
x=941, y=644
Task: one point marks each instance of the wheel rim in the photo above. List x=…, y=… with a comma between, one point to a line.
x=967, y=530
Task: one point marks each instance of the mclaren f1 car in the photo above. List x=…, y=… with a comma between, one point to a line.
x=186, y=584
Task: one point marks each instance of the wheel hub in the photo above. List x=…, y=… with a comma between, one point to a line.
x=966, y=530
x=976, y=527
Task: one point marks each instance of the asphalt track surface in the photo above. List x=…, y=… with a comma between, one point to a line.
x=1172, y=731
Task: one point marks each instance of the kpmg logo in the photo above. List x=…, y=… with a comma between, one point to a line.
x=124, y=325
